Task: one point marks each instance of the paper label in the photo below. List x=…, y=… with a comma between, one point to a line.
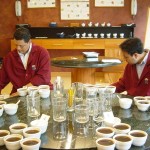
x=44, y=117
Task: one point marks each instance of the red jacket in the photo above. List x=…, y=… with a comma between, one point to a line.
x=132, y=84
x=37, y=71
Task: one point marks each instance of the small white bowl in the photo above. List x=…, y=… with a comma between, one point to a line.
x=122, y=128
x=125, y=103
x=44, y=87
x=136, y=98
x=143, y=105
x=123, y=141
x=104, y=132
x=108, y=123
x=30, y=143
x=139, y=137
x=3, y=133
x=101, y=144
x=44, y=93
x=12, y=141
x=1, y=110
x=22, y=91
x=32, y=132
x=17, y=128
x=10, y=109
x=41, y=124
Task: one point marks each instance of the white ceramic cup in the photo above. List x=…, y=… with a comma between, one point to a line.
x=102, y=35
x=32, y=132
x=101, y=144
x=30, y=143
x=3, y=133
x=139, y=137
x=125, y=103
x=12, y=144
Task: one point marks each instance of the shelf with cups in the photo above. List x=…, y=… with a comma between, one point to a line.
x=82, y=32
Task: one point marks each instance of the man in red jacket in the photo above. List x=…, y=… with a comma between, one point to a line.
x=136, y=77
x=26, y=65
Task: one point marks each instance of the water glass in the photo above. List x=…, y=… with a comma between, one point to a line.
x=90, y=92
x=98, y=112
x=59, y=130
x=78, y=89
x=33, y=105
x=82, y=113
x=59, y=109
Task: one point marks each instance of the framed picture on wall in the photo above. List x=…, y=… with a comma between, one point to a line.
x=74, y=10
x=109, y=3
x=40, y=3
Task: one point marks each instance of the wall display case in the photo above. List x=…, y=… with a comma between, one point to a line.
x=75, y=9
x=40, y=3
x=72, y=32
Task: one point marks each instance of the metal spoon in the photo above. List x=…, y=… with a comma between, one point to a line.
x=118, y=96
x=18, y=102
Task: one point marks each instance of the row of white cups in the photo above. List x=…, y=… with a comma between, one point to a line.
x=101, y=35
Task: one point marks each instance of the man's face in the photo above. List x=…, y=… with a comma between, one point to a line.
x=130, y=59
x=22, y=46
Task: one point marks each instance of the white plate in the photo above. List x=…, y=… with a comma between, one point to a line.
x=111, y=60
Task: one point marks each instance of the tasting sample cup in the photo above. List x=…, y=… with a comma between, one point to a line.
x=122, y=128
x=105, y=144
x=17, y=128
x=59, y=109
x=137, y=98
x=82, y=113
x=123, y=141
x=44, y=93
x=139, y=137
x=32, y=132
x=105, y=132
x=12, y=141
x=22, y=91
x=143, y=105
x=43, y=87
x=33, y=105
x=30, y=143
x=3, y=133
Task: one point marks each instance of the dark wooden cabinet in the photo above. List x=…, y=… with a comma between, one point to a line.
x=70, y=32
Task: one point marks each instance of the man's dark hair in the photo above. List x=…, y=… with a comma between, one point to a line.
x=132, y=45
x=22, y=34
